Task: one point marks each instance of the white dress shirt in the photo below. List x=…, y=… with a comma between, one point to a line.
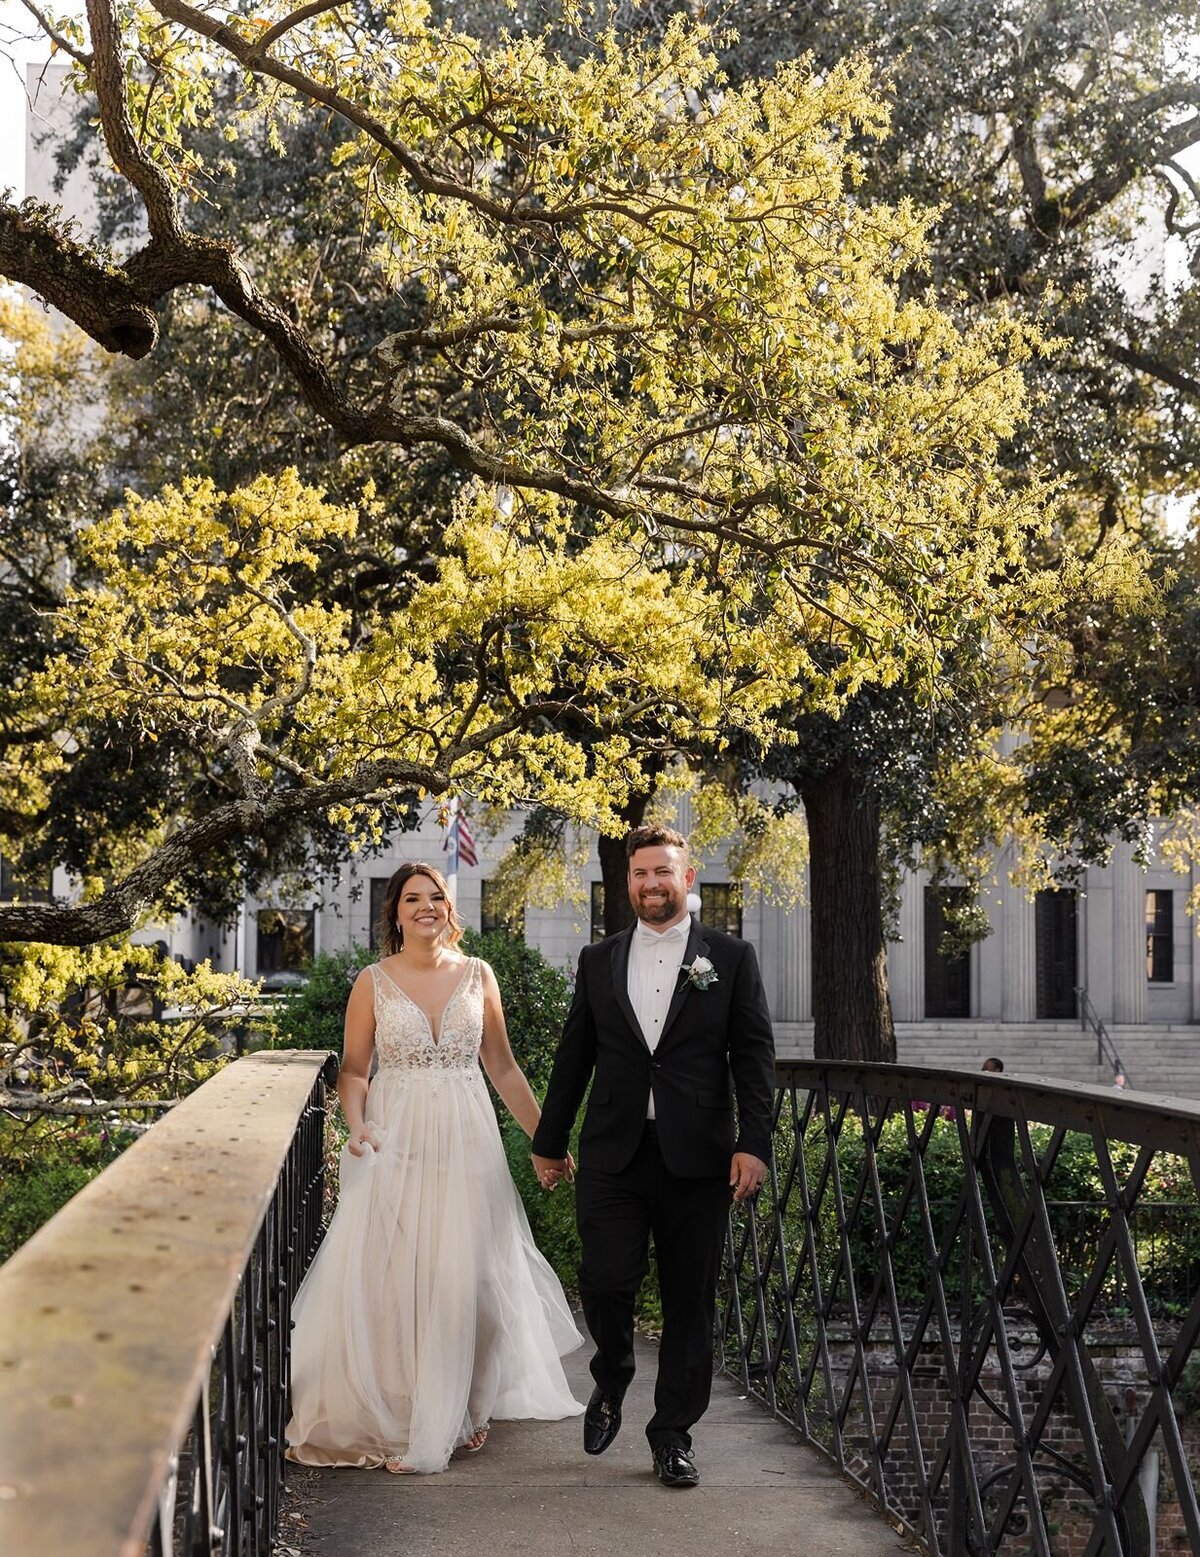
x=655, y=957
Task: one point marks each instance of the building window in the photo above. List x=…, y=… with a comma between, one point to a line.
x=947, y=974
x=286, y=939
x=378, y=887
x=490, y=918
x=598, y=931
x=720, y=907
x=24, y=888
x=1160, y=937
x=1057, y=929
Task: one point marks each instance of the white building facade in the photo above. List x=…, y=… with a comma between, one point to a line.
x=1123, y=937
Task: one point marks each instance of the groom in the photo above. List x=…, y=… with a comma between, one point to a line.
x=665, y=1016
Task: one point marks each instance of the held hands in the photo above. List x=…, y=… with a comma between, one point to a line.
x=746, y=1174
x=552, y=1170
x=361, y=1138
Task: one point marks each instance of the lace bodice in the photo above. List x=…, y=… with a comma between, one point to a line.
x=404, y=1039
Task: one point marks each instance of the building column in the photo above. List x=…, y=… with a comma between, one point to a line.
x=1019, y=930
x=1097, y=939
x=1128, y=946
x=789, y=974
x=906, y=956
x=1193, y=960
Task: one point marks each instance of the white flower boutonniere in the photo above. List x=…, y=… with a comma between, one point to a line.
x=701, y=973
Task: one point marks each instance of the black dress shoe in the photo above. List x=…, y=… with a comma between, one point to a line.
x=601, y=1422
x=674, y=1466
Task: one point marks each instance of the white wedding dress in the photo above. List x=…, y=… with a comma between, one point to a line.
x=428, y=1310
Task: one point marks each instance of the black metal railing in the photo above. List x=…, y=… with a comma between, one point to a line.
x=1106, y=1050
x=1002, y=1366
x=145, y=1330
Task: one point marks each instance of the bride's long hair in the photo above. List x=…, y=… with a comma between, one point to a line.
x=387, y=932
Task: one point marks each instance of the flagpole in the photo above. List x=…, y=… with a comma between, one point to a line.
x=451, y=845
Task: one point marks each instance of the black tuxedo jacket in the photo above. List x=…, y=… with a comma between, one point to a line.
x=716, y=1044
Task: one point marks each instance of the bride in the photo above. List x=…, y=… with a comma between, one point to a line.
x=428, y=1311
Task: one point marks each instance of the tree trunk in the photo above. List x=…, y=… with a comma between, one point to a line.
x=614, y=872
x=852, y=1010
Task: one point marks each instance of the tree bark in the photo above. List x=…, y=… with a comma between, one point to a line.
x=614, y=872
x=852, y=1010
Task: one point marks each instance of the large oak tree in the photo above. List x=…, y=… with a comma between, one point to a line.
x=669, y=349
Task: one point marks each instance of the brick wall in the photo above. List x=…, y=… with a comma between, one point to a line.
x=1066, y=1506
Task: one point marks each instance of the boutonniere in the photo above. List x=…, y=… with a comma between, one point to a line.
x=701, y=973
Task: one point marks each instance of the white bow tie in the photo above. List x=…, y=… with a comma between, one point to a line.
x=645, y=932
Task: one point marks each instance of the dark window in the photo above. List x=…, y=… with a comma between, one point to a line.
x=29, y=889
x=378, y=897
x=598, y=931
x=947, y=974
x=1057, y=958
x=490, y=918
x=1160, y=937
x=720, y=908
x=285, y=939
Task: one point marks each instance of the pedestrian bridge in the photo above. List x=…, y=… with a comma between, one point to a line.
x=963, y=1314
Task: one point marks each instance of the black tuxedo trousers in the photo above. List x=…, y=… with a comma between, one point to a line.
x=668, y=1179
x=617, y=1213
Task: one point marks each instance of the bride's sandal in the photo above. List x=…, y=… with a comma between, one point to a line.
x=395, y=1466
x=477, y=1439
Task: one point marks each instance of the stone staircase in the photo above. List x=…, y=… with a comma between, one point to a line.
x=1164, y=1059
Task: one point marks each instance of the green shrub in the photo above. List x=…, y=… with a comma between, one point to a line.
x=535, y=995
x=42, y=1166
x=313, y=1016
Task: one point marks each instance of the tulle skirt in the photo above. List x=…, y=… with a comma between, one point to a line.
x=428, y=1309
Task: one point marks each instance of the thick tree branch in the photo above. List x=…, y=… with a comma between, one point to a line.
x=37, y=251
x=304, y=14
x=1143, y=362
x=108, y=75
x=1024, y=151
x=1103, y=188
x=122, y=906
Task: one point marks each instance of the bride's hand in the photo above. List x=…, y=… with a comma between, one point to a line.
x=360, y=1139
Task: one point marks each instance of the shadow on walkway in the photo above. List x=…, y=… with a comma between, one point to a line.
x=533, y=1492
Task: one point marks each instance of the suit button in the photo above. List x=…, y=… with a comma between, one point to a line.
x=653, y=1064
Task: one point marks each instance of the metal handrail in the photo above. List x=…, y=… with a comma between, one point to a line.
x=1106, y=1049
x=144, y=1329
x=985, y=1413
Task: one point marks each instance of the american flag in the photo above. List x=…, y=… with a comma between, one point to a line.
x=460, y=841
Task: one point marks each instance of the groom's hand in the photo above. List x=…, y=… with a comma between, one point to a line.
x=550, y=1170
x=746, y=1174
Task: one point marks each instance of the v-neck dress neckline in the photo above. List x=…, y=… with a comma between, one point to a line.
x=434, y=1037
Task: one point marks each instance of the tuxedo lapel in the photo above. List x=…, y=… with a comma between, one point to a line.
x=697, y=946
x=620, y=978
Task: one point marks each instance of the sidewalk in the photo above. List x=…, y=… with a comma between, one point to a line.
x=533, y=1492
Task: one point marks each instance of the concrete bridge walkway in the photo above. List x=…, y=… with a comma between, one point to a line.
x=532, y=1492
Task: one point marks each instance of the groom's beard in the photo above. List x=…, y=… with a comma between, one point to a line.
x=655, y=909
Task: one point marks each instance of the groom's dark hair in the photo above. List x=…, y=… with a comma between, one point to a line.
x=654, y=838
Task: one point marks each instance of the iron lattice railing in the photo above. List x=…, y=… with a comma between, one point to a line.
x=1000, y=1371
x=223, y=1491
